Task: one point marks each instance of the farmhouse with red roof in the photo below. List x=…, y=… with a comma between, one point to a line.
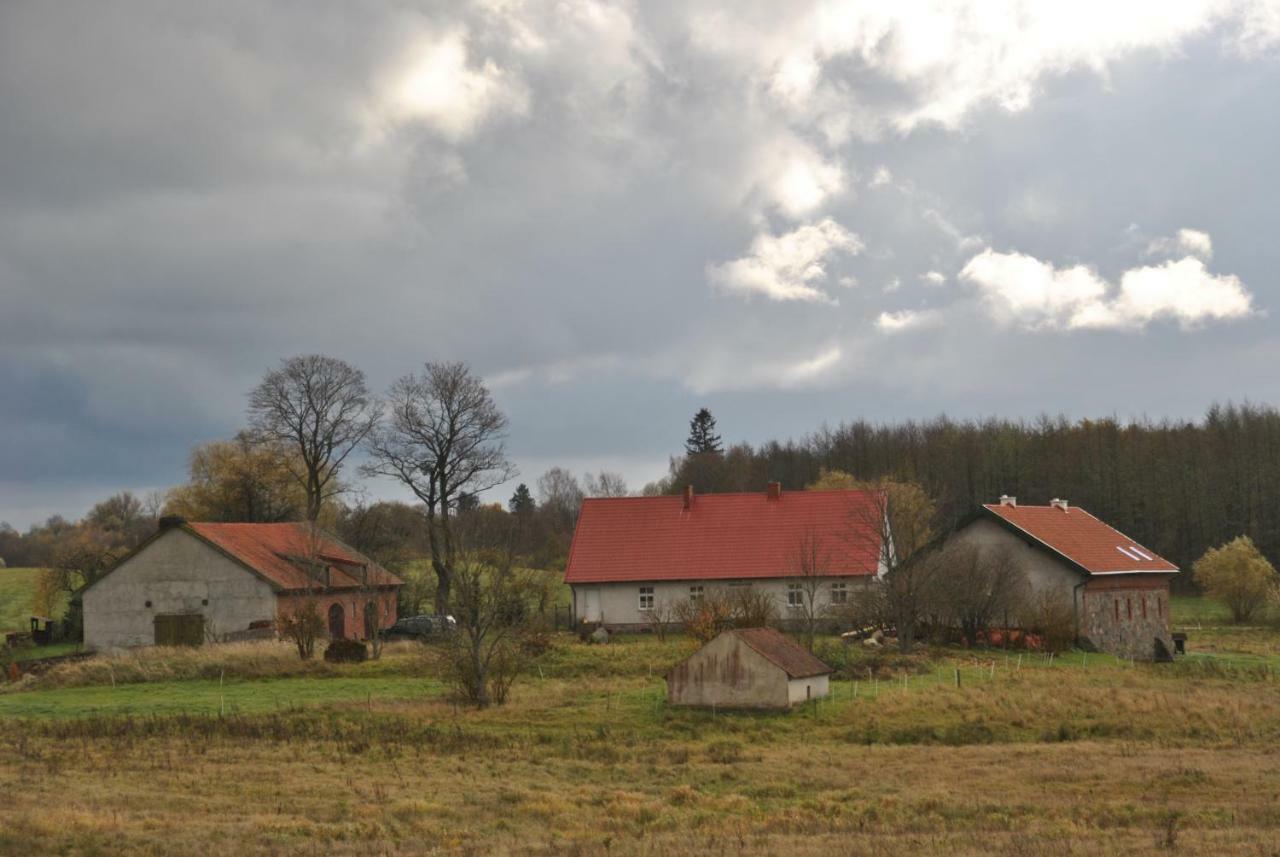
x=634, y=556
x=192, y=582
x=1117, y=589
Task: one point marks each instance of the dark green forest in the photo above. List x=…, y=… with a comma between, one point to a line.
x=1177, y=487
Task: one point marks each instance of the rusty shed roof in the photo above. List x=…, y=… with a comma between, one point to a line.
x=782, y=651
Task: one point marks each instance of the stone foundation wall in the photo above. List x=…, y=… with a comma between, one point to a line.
x=1126, y=616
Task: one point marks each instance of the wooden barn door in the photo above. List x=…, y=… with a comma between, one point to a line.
x=337, y=623
x=179, y=629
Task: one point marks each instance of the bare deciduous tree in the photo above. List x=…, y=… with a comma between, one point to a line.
x=810, y=562
x=977, y=586
x=496, y=625
x=559, y=498
x=321, y=407
x=606, y=484
x=443, y=440
x=899, y=518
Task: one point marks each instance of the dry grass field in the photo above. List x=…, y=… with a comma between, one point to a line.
x=1072, y=756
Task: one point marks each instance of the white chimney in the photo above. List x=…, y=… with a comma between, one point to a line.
x=1061, y=504
x=1006, y=500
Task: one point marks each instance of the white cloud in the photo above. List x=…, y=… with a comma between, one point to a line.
x=1187, y=242
x=934, y=278
x=439, y=86
x=788, y=267
x=1020, y=289
x=1023, y=289
x=881, y=177
x=802, y=180
x=895, y=322
x=1182, y=290
x=893, y=285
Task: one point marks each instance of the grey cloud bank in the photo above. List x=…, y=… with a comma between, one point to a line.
x=189, y=192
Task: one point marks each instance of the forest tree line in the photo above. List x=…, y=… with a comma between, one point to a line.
x=1179, y=487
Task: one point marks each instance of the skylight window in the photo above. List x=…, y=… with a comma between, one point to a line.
x=1140, y=552
x=1129, y=552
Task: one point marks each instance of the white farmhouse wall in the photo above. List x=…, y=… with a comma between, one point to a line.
x=177, y=573
x=618, y=604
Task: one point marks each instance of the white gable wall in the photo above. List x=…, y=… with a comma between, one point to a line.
x=177, y=573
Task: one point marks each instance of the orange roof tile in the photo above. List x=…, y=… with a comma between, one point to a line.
x=721, y=537
x=279, y=553
x=1083, y=539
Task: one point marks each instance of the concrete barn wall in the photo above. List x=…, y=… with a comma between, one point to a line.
x=1045, y=572
x=353, y=606
x=177, y=573
x=726, y=673
x=619, y=603
x=1126, y=614
x=801, y=689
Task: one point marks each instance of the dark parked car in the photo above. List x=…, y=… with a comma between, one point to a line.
x=422, y=627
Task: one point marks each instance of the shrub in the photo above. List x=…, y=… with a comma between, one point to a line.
x=1051, y=616
x=302, y=626
x=346, y=652
x=1238, y=575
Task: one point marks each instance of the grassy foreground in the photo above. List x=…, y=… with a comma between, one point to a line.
x=1069, y=756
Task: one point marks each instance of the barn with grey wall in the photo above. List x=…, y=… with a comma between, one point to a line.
x=177, y=573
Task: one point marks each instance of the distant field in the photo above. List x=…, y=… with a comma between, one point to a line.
x=17, y=585
x=1074, y=755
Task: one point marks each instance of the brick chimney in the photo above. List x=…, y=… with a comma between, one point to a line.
x=1006, y=500
x=1060, y=504
x=688, y=497
x=773, y=491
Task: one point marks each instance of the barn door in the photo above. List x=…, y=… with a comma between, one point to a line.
x=337, y=623
x=179, y=629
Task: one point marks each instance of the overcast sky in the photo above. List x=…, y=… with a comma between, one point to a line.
x=794, y=214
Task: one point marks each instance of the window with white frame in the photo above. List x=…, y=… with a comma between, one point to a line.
x=695, y=593
x=646, y=598
x=839, y=592
x=795, y=595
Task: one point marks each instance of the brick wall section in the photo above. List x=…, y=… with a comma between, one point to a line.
x=353, y=607
x=1126, y=614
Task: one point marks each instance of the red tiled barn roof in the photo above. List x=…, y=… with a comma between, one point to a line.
x=1082, y=539
x=722, y=537
x=783, y=651
x=277, y=552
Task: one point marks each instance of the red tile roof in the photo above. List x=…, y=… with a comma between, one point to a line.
x=722, y=537
x=278, y=553
x=783, y=651
x=1082, y=539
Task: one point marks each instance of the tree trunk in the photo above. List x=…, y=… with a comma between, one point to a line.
x=444, y=581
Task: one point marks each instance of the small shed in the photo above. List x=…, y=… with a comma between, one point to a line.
x=748, y=668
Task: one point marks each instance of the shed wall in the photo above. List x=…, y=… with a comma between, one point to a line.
x=726, y=673
x=813, y=687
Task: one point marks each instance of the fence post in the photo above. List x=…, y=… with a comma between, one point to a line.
x=957, y=676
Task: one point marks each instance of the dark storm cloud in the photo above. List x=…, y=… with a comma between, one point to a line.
x=189, y=192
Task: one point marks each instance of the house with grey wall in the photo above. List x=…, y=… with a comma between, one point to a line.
x=1118, y=590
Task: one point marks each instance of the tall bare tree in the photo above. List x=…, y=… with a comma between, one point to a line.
x=810, y=562
x=321, y=407
x=443, y=439
x=606, y=484
x=899, y=518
